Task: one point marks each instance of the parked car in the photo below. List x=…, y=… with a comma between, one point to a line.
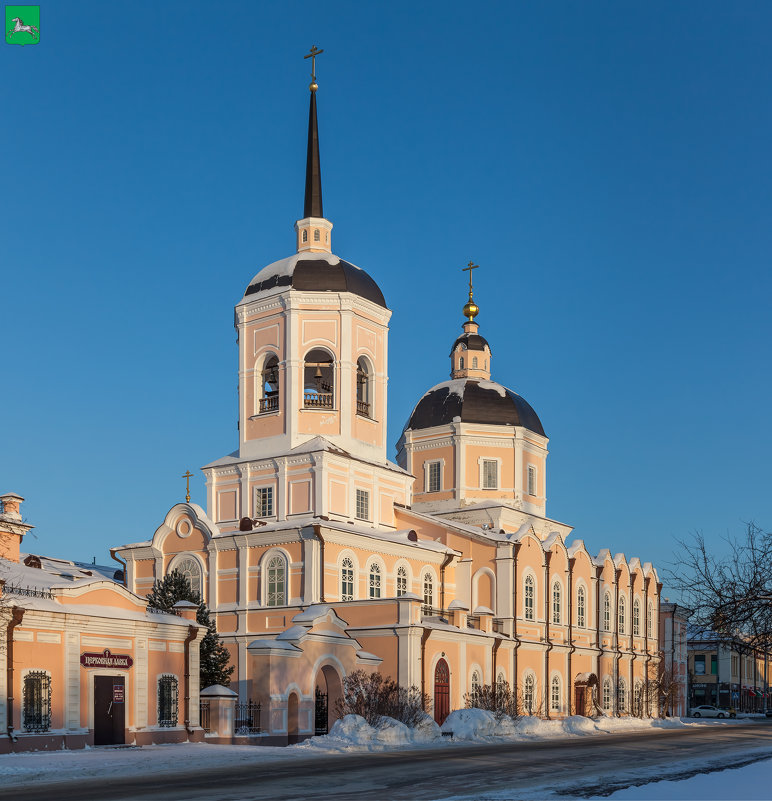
x=768, y=712
x=709, y=711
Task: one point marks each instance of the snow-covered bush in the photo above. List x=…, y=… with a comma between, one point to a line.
x=373, y=696
x=470, y=724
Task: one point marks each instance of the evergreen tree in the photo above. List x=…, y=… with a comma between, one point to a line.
x=215, y=656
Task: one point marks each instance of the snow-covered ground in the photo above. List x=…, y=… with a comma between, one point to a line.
x=350, y=735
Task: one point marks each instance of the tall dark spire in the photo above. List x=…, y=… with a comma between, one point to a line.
x=313, y=204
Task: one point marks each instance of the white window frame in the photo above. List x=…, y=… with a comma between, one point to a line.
x=621, y=614
x=532, y=470
x=556, y=605
x=359, y=495
x=556, y=704
x=268, y=490
x=405, y=574
x=348, y=596
x=649, y=617
x=526, y=607
x=581, y=607
x=428, y=475
x=427, y=574
x=180, y=559
x=606, y=696
x=266, y=579
x=373, y=585
x=529, y=703
x=497, y=462
x=606, y=611
x=636, y=618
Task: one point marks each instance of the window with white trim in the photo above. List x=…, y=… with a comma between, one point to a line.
x=347, y=579
x=529, y=694
x=305, y=235
x=636, y=618
x=316, y=235
x=264, y=502
x=529, y=598
x=276, y=581
x=555, y=694
x=621, y=696
x=622, y=615
x=36, y=701
x=556, y=602
x=363, y=504
x=475, y=688
x=461, y=363
x=606, y=702
x=581, y=610
x=433, y=476
x=191, y=570
x=606, y=612
x=531, y=480
x=649, y=617
x=375, y=581
x=490, y=474
x=401, y=580
x=167, y=700
x=428, y=590
x=474, y=362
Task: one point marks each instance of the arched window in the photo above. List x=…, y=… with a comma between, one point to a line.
x=638, y=709
x=269, y=385
x=606, y=612
x=461, y=363
x=276, y=581
x=501, y=690
x=347, y=580
x=401, y=580
x=317, y=238
x=530, y=592
x=318, y=380
x=636, y=618
x=556, y=602
x=364, y=388
x=428, y=591
x=305, y=235
x=167, y=701
x=36, y=702
x=474, y=362
x=649, y=616
x=475, y=688
x=555, y=694
x=606, y=702
x=622, y=696
x=375, y=581
x=581, y=611
x=191, y=570
x=622, y=615
x=529, y=694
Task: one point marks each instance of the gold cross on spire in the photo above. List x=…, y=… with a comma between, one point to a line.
x=471, y=309
x=469, y=270
x=312, y=54
x=187, y=475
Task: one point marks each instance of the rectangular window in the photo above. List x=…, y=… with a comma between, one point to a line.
x=36, y=704
x=433, y=476
x=363, y=504
x=713, y=665
x=531, y=480
x=264, y=502
x=699, y=665
x=490, y=474
x=167, y=701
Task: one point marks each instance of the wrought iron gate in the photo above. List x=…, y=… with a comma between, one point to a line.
x=320, y=713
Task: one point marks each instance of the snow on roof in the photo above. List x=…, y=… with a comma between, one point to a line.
x=287, y=266
x=217, y=691
x=314, y=613
x=272, y=645
x=52, y=573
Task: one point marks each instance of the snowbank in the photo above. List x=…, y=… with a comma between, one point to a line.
x=354, y=733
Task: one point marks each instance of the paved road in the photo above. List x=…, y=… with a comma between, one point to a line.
x=432, y=773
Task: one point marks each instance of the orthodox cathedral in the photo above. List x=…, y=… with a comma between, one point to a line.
x=320, y=556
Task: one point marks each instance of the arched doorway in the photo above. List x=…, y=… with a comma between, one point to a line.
x=585, y=694
x=329, y=690
x=441, y=691
x=292, y=718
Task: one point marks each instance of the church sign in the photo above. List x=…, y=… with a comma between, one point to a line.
x=106, y=660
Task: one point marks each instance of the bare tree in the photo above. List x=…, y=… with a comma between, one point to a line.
x=374, y=696
x=730, y=587
x=499, y=698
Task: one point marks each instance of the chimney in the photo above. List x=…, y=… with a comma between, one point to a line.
x=12, y=530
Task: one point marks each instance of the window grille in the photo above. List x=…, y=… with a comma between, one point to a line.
x=428, y=591
x=529, y=598
x=363, y=504
x=490, y=474
x=36, y=702
x=264, y=502
x=401, y=580
x=347, y=580
x=622, y=696
x=433, y=482
x=581, y=618
x=305, y=236
x=606, y=612
x=531, y=480
x=636, y=618
x=529, y=692
x=276, y=582
x=556, y=602
x=555, y=694
x=167, y=701
x=375, y=581
x=606, y=694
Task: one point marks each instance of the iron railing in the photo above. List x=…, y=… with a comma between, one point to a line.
x=363, y=408
x=473, y=621
x=247, y=719
x=29, y=592
x=317, y=400
x=270, y=403
x=204, y=716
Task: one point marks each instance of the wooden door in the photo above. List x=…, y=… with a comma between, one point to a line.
x=441, y=691
x=581, y=703
x=109, y=710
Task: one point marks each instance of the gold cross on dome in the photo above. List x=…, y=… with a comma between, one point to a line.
x=187, y=475
x=312, y=54
x=469, y=270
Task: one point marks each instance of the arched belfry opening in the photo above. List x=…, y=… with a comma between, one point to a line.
x=269, y=384
x=364, y=387
x=318, y=380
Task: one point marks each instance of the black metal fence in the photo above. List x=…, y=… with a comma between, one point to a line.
x=247, y=719
x=204, y=716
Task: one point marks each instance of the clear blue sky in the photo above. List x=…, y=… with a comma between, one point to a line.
x=608, y=166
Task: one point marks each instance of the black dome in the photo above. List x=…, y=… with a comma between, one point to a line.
x=319, y=275
x=472, y=341
x=473, y=401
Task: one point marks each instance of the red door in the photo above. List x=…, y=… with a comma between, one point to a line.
x=441, y=691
